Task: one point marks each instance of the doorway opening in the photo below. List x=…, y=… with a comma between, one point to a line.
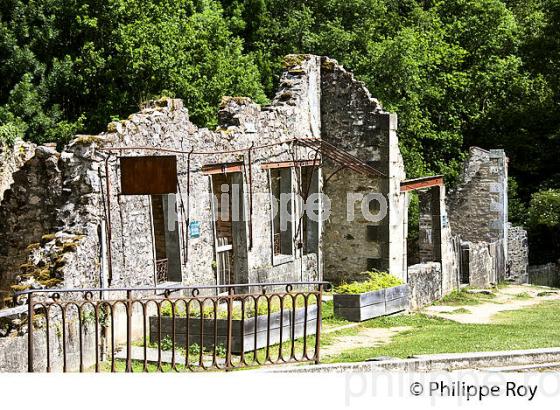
x=166, y=239
x=230, y=232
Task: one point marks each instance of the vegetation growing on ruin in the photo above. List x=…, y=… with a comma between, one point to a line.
x=376, y=281
x=48, y=270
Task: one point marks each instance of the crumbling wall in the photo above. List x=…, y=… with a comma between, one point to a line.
x=12, y=158
x=518, y=254
x=92, y=212
x=355, y=122
x=482, y=262
x=477, y=211
x=28, y=212
x=478, y=206
x=425, y=284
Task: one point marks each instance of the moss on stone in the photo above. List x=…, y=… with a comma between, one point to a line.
x=327, y=65
x=33, y=246
x=69, y=247
x=60, y=261
x=297, y=71
x=19, y=288
x=112, y=127
x=90, y=139
x=292, y=60
x=43, y=275
x=47, y=238
x=238, y=100
x=26, y=267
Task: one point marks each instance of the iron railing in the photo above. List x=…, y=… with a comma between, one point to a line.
x=182, y=328
x=162, y=269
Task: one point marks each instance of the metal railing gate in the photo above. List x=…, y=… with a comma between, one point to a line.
x=190, y=328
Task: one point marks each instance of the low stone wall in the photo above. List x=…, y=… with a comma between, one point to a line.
x=518, y=255
x=424, y=284
x=14, y=345
x=483, y=263
x=545, y=275
x=481, y=268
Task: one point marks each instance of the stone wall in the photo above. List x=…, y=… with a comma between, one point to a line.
x=13, y=347
x=97, y=237
x=518, y=255
x=28, y=211
x=482, y=263
x=477, y=211
x=12, y=158
x=425, y=284
x=355, y=122
x=545, y=275
x=436, y=242
x=478, y=206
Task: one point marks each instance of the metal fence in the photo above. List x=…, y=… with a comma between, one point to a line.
x=173, y=329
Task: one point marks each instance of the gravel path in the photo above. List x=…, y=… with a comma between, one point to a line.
x=506, y=299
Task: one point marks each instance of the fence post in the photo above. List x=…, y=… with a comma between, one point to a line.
x=128, y=331
x=229, y=328
x=319, y=318
x=30, y=333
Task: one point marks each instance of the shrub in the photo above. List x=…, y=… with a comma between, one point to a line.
x=377, y=280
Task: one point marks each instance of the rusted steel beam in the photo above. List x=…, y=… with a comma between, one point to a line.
x=340, y=156
x=421, y=183
x=290, y=164
x=227, y=168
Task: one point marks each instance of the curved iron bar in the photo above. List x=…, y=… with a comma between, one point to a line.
x=211, y=324
x=59, y=291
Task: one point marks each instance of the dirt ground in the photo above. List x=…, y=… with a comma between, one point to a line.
x=367, y=337
x=512, y=297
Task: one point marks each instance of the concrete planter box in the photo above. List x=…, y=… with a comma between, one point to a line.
x=245, y=334
x=364, y=306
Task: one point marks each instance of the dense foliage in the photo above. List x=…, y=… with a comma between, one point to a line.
x=72, y=65
x=458, y=72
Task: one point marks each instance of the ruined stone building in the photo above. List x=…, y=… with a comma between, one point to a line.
x=133, y=206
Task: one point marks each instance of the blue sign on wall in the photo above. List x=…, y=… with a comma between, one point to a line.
x=194, y=229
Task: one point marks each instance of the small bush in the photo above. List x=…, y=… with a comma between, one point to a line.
x=377, y=280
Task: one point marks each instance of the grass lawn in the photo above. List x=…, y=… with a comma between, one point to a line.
x=462, y=298
x=528, y=328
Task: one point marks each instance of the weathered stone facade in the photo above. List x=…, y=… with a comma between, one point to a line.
x=79, y=230
x=28, y=210
x=478, y=215
x=518, y=254
x=85, y=233
x=478, y=206
x=355, y=122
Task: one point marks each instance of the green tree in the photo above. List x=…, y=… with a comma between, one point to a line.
x=70, y=66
